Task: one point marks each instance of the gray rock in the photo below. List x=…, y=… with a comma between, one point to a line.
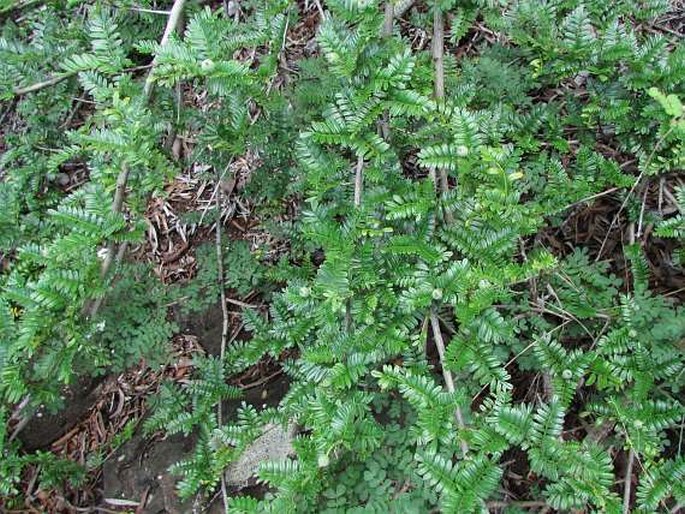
x=275, y=443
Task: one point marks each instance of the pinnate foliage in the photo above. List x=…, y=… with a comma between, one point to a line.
x=522, y=136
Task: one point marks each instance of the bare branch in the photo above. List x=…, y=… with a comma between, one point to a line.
x=388, y=19
x=117, y=207
x=42, y=85
x=358, y=181
x=224, y=313
x=386, y=32
x=172, y=23
x=439, y=52
x=447, y=374
x=401, y=7
x=439, y=85
x=122, y=179
x=628, y=481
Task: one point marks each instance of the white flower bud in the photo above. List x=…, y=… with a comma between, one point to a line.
x=437, y=294
x=207, y=65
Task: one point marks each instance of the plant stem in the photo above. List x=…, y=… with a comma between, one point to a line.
x=92, y=308
x=224, y=313
x=358, y=181
x=627, y=482
x=117, y=207
x=172, y=23
x=122, y=179
x=447, y=374
x=388, y=19
x=401, y=7
x=439, y=85
x=526, y=504
x=42, y=85
x=439, y=52
x=358, y=184
x=386, y=33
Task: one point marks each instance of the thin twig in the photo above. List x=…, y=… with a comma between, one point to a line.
x=358, y=184
x=22, y=422
x=628, y=481
x=44, y=84
x=439, y=85
x=242, y=304
x=93, y=307
x=638, y=232
x=224, y=313
x=519, y=504
x=211, y=198
x=447, y=375
x=149, y=11
x=439, y=52
x=358, y=181
x=320, y=9
x=632, y=189
x=117, y=207
x=401, y=7
x=637, y=458
x=386, y=33
x=592, y=197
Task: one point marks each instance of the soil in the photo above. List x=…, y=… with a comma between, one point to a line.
x=138, y=471
x=45, y=427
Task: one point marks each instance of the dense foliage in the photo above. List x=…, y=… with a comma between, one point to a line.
x=568, y=360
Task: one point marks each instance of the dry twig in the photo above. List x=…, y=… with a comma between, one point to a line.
x=224, y=313
x=627, y=482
